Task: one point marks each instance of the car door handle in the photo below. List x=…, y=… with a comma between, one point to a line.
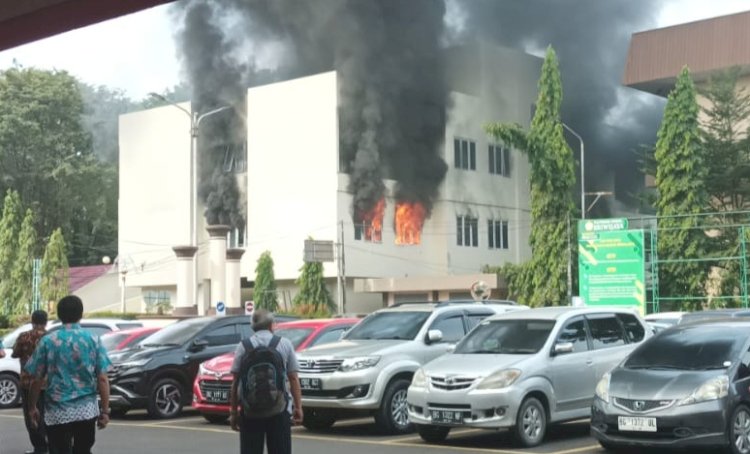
x=589, y=362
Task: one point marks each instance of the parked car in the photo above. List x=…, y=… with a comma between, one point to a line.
x=699, y=316
x=125, y=339
x=214, y=380
x=10, y=368
x=686, y=387
x=370, y=369
x=523, y=371
x=158, y=375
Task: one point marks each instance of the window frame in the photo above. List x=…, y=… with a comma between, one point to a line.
x=466, y=229
x=604, y=315
x=446, y=316
x=207, y=332
x=464, y=153
x=587, y=329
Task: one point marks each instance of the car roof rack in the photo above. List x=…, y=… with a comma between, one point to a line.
x=454, y=302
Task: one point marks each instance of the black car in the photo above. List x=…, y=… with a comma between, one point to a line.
x=688, y=386
x=159, y=374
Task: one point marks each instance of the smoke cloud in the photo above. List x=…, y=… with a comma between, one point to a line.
x=591, y=38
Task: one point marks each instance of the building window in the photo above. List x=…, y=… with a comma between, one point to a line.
x=237, y=237
x=497, y=234
x=235, y=160
x=366, y=231
x=467, y=231
x=465, y=154
x=157, y=301
x=499, y=160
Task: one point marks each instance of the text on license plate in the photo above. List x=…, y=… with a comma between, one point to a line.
x=447, y=417
x=217, y=396
x=636, y=424
x=310, y=384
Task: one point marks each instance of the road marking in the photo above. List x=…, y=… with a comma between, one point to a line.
x=574, y=450
x=12, y=416
x=452, y=434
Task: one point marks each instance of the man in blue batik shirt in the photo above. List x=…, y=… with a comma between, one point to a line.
x=75, y=364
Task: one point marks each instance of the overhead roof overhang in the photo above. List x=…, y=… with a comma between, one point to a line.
x=23, y=21
x=656, y=57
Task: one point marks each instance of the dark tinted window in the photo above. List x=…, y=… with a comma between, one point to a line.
x=246, y=330
x=451, y=327
x=129, y=325
x=222, y=336
x=633, y=328
x=507, y=337
x=178, y=333
x=389, y=325
x=295, y=335
x=694, y=347
x=332, y=335
x=606, y=331
x=743, y=371
x=575, y=333
x=475, y=319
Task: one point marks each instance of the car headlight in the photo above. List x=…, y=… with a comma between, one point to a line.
x=132, y=364
x=203, y=370
x=500, y=379
x=602, y=388
x=363, y=362
x=419, y=380
x=713, y=389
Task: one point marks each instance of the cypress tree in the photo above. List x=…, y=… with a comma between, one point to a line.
x=264, y=294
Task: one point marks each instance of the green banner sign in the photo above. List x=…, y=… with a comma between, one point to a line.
x=599, y=225
x=611, y=266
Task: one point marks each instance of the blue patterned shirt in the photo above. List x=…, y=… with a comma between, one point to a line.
x=71, y=359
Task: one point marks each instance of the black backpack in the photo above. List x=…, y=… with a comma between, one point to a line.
x=262, y=380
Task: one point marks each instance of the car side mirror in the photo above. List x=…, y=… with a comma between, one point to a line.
x=198, y=345
x=434, y=336
x=563, y=348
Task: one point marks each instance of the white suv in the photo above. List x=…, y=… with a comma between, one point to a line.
x=10, y=368
x=369, y=370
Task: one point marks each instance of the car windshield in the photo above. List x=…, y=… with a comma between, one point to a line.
x=512, y=337
x=400, y=325
x=295, y=335
x=177, y=333
x=111, y=341
x=694, y=348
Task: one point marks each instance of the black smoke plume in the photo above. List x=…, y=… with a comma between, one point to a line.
x=591, y=38
x=392, y=85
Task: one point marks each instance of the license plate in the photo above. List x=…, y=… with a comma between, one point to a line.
x=310, y=384
x=636, y=424
x=217, y=396
x=447, y=416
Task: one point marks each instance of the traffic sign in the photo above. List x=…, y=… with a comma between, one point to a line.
x=249, y=307
x=221, y=309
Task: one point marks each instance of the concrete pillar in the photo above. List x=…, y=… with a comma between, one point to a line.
x=234, y=277
x=185, y=285
x=217, y=258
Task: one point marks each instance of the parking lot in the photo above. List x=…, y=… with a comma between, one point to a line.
x=191, y=434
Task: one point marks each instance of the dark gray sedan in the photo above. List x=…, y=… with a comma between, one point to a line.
x=688, y=386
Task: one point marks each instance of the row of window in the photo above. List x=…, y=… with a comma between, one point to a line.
x=467, y=233
x=610, y=330
x=465, y=157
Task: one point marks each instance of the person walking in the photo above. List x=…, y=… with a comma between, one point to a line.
x=23, y=349
x=266, y=389
x=75, y=364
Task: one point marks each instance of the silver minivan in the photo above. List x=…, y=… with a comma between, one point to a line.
x=523, y=370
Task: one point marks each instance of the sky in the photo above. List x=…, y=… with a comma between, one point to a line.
x=138, y=55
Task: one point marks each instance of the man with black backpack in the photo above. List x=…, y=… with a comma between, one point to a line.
x=266, y=397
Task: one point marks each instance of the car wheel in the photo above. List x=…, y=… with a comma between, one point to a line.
x=215, y=419
x=118, y=413
x=10, y=391
x=739, y=442
x=317, y=420
x=531, y=423
x=393, y=417
x=433, y=434
x=166, y=399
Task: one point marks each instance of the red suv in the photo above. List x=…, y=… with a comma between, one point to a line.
x=211, y=386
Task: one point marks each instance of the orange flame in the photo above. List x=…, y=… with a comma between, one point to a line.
x=409, y=221
x=373, y=222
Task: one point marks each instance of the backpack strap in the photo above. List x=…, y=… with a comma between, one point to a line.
x=248, y=344
x=274, y=342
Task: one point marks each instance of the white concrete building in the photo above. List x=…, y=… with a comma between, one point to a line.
x=295, y=189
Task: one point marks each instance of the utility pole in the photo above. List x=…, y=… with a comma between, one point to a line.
x=570, y=265
x=342, y=271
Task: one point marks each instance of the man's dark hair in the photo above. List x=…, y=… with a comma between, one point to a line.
x=70, y=309
x=39, y=318
x=262, y=320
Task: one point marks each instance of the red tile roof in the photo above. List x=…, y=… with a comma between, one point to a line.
x=80, y=276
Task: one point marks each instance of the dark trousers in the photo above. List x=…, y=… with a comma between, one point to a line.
x=72, y=438
x=276, y=431
x=37, y=436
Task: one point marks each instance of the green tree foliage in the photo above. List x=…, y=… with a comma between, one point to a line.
x=55, y=280
x=681, y=172
x=46, y=155
x=264, y=293
x=23, y=268
x=543, y=280
x=313, y=291
x=10, y=224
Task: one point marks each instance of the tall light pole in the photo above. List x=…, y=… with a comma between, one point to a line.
x=195, y=122
x=583, y=184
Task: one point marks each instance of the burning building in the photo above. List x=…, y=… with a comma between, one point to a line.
x=414, y=225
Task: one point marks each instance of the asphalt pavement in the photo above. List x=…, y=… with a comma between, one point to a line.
x=191, y=434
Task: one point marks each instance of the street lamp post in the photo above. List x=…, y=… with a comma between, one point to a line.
x=583, y=184
x=195, y=122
